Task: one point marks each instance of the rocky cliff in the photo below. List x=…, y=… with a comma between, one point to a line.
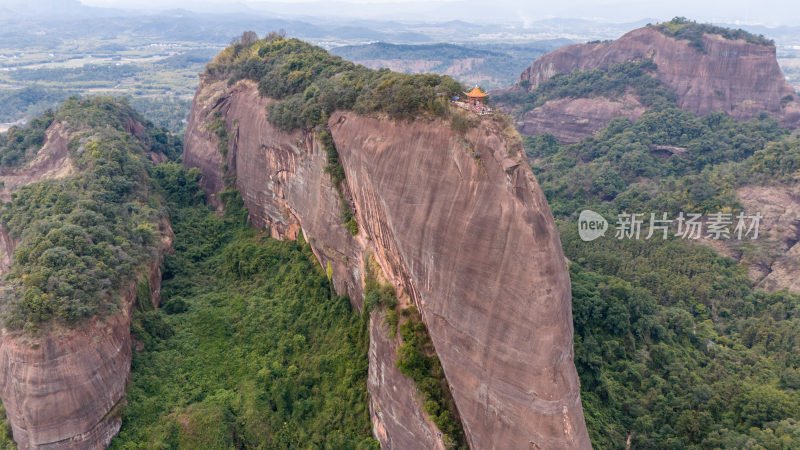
x=64, y=389
x=456, y=221
x=731, y=75
x=63, y=386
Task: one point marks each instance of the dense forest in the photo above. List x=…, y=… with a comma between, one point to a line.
x=309, y=83
x=673, y=345
x=82, y=238
x=250, y=348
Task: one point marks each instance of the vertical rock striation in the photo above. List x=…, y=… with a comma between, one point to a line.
x=63, y=387
x=457, y=222
x=736, y=77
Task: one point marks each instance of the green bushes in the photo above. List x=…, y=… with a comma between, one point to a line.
x=253, y=351
x=684, y=29
x=309, y=84
x=18, y=145
x=85, y=237
x=81, y=238
x=416, y=359
x=334, y=168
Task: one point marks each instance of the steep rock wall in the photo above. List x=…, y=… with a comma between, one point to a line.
x=61, y=388
x=457, y=222
x=732, y=76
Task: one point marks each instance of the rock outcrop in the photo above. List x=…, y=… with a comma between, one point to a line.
x=456, y=221
x=732, y=76
x=63, y=387
x=570, y=120
x=51, y=162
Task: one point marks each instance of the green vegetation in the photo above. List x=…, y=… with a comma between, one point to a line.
x=674, y=346
x=416, y=359
x=19, y=144
x=249, y=349
x=6, y=435
x=217, y=126
x=684, y=29
x=619, y=79
x=85, y=237
x=334, y=168
x=622, y=163
x=310, y=84
x=29, y=102
x=117, y=113
x=171, y=113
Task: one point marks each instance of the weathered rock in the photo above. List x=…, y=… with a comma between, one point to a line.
x=732, y=76
x=570, y=120
x=51, y=162
x=62, y=387
x=457, y=221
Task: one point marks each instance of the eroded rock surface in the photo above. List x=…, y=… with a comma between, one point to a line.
x=51, y=162
x=456, y=221
x=62, y=388
x=732, y=76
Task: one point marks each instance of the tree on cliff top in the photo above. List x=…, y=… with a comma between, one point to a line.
x=309, y=83
x=82, y=238
x=683, y=28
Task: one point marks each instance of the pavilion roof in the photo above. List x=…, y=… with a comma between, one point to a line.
x=476, y=92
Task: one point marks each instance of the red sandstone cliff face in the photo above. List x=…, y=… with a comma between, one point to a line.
x=62, y=388
x=457, y=222
x=571, y=120
x=732, y=76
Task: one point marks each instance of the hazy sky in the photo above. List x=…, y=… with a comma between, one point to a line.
x=765, y=12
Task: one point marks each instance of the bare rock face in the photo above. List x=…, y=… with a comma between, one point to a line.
x=570, y=120
x=63, y=387
x=58, y=389
x=457, y=222
x=732, y=76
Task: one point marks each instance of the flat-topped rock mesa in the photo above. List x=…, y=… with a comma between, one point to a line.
x=455, y=220
x=734, y=76
x=64, y=385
